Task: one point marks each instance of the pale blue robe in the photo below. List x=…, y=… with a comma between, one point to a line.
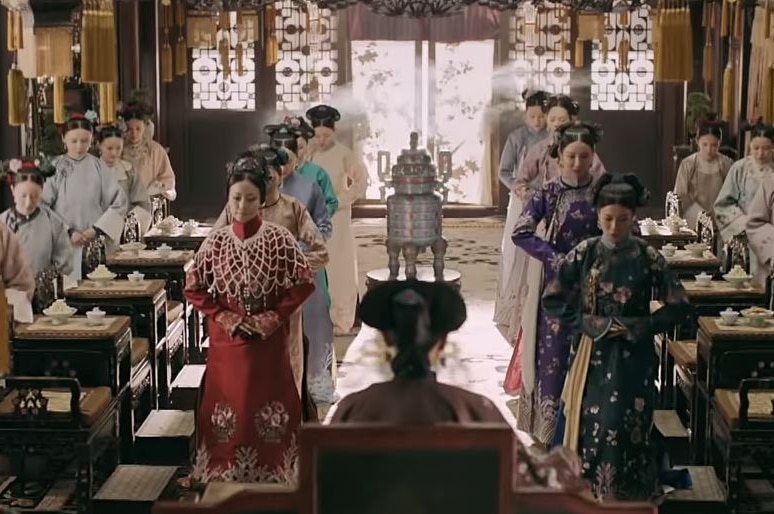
x=732, y=205
x=512, y=259
x=86, y=195
x=318, y=326
x=136, y=193
x=43, y=237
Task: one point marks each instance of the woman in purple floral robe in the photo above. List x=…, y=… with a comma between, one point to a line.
x=565, y=206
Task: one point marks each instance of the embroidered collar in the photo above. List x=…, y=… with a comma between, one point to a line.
x=572, y=182
x=608, y=243
x=247, y=229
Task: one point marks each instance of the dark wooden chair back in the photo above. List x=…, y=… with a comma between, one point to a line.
x=367, y=469
x=672, y=204
x=94, y=254
x=159, y=209
x=47, y=289
x=736, y=253
x=705, y=228
x=131, y=233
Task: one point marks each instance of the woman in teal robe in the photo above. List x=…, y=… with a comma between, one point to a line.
x=308, y=169
x=603, y=291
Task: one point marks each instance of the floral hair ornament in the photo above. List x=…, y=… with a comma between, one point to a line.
x=92, y=116
x=41, y=165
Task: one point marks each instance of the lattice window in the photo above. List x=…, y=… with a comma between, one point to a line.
x=307, y=69
x=211, y=88
x=624, y=86
x=538, y=49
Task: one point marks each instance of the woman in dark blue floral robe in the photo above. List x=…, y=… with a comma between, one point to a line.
x=603, y=291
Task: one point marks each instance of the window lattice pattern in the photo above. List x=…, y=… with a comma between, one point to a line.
x=624, y=86
x=211, y=89
x=536, y=39
x=307, y=68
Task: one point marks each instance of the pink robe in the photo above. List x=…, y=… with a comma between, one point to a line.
x=15, y=268
x=151, y=163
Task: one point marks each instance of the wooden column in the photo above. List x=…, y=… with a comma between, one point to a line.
x=671, y=130
x=10, y=137
x=128, y=29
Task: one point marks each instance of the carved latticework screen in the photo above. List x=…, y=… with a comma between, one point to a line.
x=622, y=77
x=307, y=69
x=539, y=52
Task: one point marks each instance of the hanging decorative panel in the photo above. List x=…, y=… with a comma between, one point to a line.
x=622, y=76
x=538, y=49
x=307, y=69
x=232, y=88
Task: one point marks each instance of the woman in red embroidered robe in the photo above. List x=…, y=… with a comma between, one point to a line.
x=248, y=278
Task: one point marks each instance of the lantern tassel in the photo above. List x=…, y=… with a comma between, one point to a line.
x=724, y=14
x=166, y=60
x=728, y=91
x=17, y=98
x=59, y=100
x=578, y=61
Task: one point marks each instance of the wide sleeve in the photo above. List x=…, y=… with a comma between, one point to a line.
x=17, y=273
x=62, y=256
x=324, y=181
x=509, y=160
x=115, y=203
x=683, y=188
x=164, y=176
x=320, y=214
x=300, y=286
x=311, y=240
x=669, y=292
x=760, y=230
x=358, y=180
x=730, y=217
x=138, y=194
x=197, y=294
x=561, y=297
x=51, y=191
x=529, y=169
x=525, y=236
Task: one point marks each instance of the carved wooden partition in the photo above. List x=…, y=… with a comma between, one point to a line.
x=523, y=502
x=374, y=470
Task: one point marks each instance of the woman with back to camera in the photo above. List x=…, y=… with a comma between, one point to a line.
x=513, y=260
x=602, y=293
x=248, y=278
x=415, y=319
